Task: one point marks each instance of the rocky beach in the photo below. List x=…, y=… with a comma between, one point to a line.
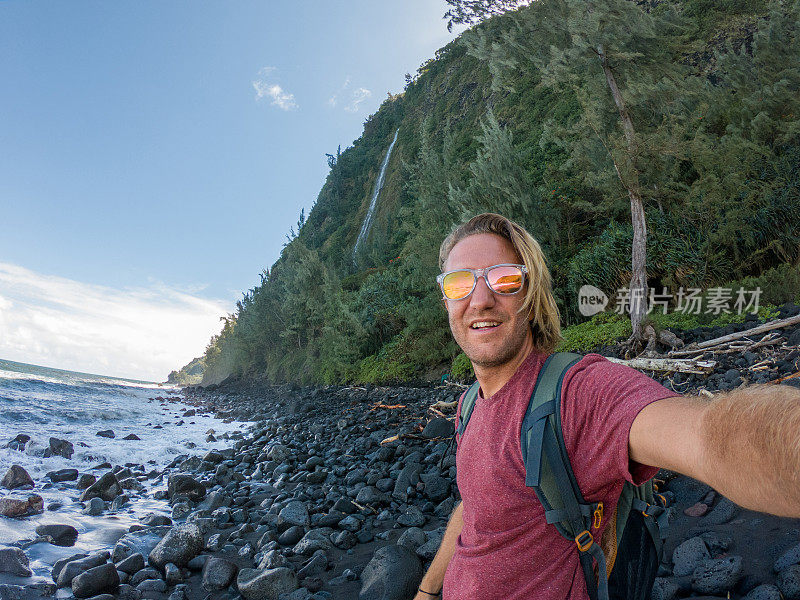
x=344, y=492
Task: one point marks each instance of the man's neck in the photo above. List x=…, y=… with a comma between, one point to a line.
x=492, y=379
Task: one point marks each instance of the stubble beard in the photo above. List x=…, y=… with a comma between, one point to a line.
x=500, y=354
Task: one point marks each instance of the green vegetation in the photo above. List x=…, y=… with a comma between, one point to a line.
x=491, y=124
x=603, y=329
x=191, y=374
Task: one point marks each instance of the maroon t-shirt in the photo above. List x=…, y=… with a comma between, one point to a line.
x=506, y=548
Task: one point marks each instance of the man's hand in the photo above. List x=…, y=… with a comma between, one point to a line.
x=433, y=579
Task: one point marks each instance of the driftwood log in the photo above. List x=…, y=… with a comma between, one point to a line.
x=672, y=365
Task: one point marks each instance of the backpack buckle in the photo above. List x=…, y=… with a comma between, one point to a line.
x=582, y=542
x=598, y=515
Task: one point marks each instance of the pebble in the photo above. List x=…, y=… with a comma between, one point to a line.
x=765, y=591
x=132, y=564
x=790, y=557
x=62, y=475
x=59, y=447
x=688, y=556
x=789, y=582
x=185, y=485
x=696, y=510
x=218, y=573
x=106, y=488
x=266, y=585
x=94, y=507
x=717, y=576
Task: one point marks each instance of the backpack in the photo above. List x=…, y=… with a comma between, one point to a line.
x=626, y=568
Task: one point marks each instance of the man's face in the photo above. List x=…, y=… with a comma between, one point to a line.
x=498, y=344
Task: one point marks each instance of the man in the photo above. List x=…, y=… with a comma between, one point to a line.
x=618, y=425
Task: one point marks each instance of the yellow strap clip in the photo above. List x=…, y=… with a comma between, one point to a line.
x=598, y=515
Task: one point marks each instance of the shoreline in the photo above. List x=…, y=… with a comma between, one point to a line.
x=306, y=501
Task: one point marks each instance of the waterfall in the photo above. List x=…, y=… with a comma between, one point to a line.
x=362, y=235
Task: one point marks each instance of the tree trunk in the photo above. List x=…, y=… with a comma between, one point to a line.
x=638, y=286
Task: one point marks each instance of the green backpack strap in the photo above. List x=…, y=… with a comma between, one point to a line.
x=549, y=472
x=467, y=404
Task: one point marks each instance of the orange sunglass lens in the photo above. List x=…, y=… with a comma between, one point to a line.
x=458, y=284
x=505, y=280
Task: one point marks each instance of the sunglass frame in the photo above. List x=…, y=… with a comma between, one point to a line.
x=478, y=273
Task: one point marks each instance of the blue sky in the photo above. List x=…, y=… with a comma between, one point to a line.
x=158, y=152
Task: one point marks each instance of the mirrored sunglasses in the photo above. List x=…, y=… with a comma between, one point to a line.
x=505, y=279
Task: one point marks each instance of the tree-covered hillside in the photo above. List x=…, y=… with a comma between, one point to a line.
x=508, y=119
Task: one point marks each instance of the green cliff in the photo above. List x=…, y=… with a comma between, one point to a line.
x=495, y=122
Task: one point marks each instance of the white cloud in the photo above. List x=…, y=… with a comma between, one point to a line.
x=140, y=333
x=266, y=87
x=357, y=98
x=333, y=100
x=354, y=98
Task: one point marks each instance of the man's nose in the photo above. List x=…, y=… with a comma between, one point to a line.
x=482, y=296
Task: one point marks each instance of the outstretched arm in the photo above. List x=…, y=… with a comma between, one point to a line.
x=744, y=443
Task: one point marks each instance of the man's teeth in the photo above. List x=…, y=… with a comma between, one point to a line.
x=481, y=324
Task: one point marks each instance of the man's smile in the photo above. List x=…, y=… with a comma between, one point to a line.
x=484, y=325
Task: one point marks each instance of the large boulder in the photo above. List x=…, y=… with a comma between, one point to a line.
x=138, y=542
x=106, y=488
x=185, y=485
x=17, y=477
x=15, y=562
x=96, y=580
x=18, y=507
x=58, y=535
x=254, y=584
x=393, y=574
x=181, y=544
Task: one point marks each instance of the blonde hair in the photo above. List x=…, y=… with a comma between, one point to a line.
x=539, y=301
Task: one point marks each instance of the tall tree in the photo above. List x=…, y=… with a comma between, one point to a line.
x=613, y=56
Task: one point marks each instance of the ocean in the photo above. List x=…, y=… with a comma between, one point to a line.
x=43, y=402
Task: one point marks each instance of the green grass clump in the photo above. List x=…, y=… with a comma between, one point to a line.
x=604, y=328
